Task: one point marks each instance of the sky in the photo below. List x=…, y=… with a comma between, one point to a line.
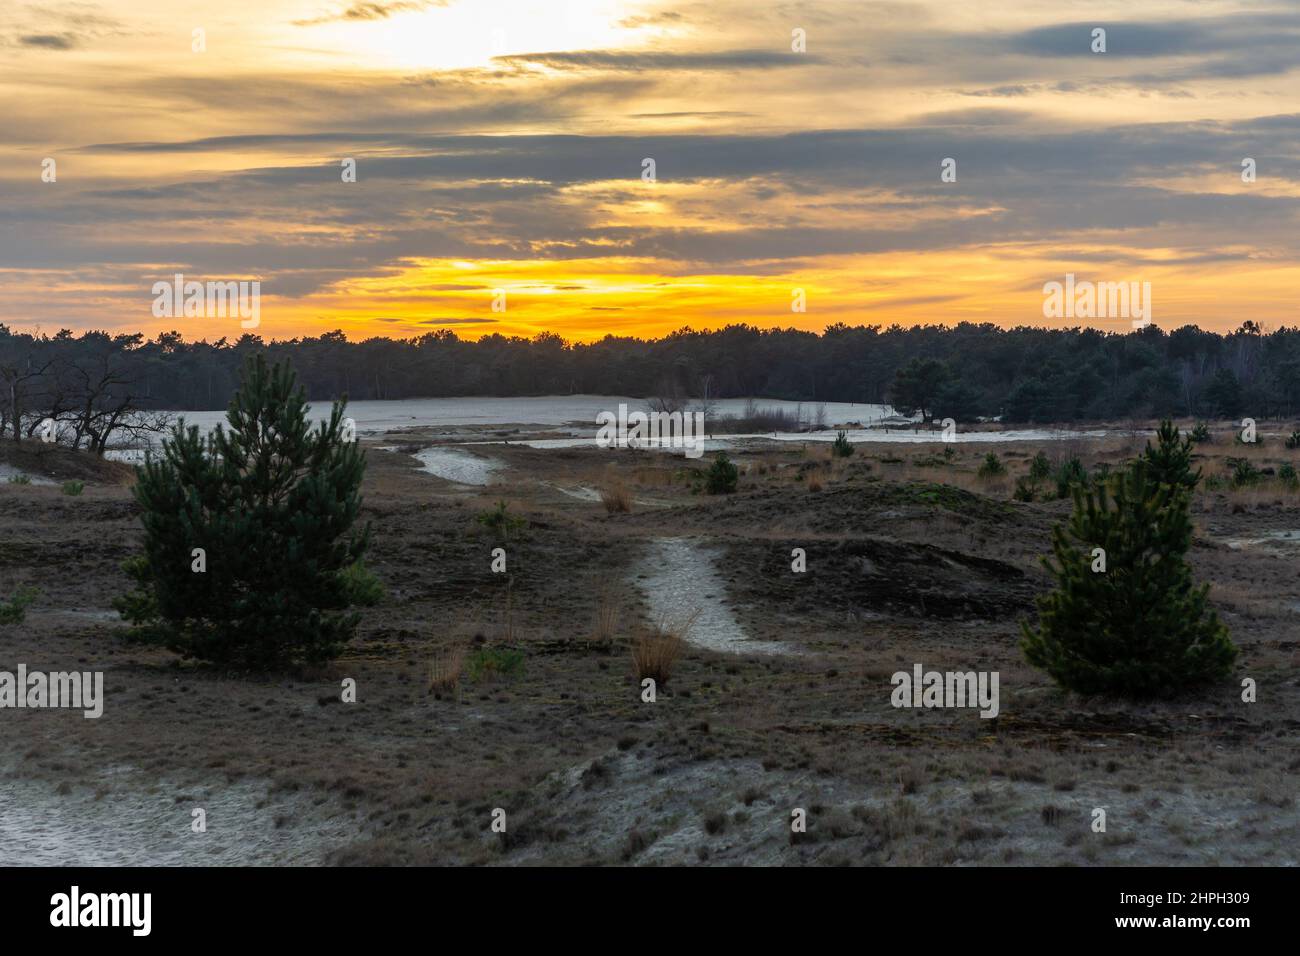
x=501, y=182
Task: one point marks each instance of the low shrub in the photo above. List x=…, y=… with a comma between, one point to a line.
x=501, y=522
x=361, y=586
x=489, y=663
x=14, y=611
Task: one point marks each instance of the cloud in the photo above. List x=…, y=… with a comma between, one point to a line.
x=785, y=170
x=641, y=61
x=456, y=322
x=70, y=27
x=652, y=19
x=759, y=204
x=372, y=11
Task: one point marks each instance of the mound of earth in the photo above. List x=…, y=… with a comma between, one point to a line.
x=866, y=576
x=854, y=508
x=59, y=463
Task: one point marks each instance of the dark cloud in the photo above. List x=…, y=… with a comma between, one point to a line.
x=1122, y=39
x=1246, y=35
x=49, y=41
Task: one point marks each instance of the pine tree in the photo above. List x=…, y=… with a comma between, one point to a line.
x=270, y=503
x=1170, y=462
x=1127, y=620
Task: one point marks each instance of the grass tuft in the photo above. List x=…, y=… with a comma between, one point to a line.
x=657, y=649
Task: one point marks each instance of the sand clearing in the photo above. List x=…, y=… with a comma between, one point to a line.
x=138, y=823
x=452, y=464
x=9, y=472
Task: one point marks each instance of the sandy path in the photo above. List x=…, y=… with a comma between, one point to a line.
x=679, y=577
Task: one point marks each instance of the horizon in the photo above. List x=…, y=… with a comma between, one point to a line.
x=500, y=147
x=231, y=342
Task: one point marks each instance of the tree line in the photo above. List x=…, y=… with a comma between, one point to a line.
x=97, y=384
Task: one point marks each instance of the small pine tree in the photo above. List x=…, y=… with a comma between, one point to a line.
x=1244, y=473
x=722, y=476
x=991, y=466
x=841, y=447
x=1170, y=462
x=1288, y=476
x=1141, y=627
x=1040, y=468
x=270, y=503
x=1068, y=474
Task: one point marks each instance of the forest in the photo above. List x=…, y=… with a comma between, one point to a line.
x=97, y=383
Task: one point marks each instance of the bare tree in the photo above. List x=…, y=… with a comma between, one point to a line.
x=104, y=383
x=20, y=375
x=707, y=403
x=669, y=398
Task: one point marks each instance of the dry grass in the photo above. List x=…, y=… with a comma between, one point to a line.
x=445, y=672
x=507, y=631
x=653, y=476
x=768, y=464
x=607, y=616
x=1253, y=496
x=616, y=498
x=657, y=649
x=818, y=451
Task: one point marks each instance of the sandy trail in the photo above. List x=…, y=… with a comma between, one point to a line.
x=1273, y=540
x=679, y=577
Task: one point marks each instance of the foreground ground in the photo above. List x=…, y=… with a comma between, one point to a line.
x=782, y=702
